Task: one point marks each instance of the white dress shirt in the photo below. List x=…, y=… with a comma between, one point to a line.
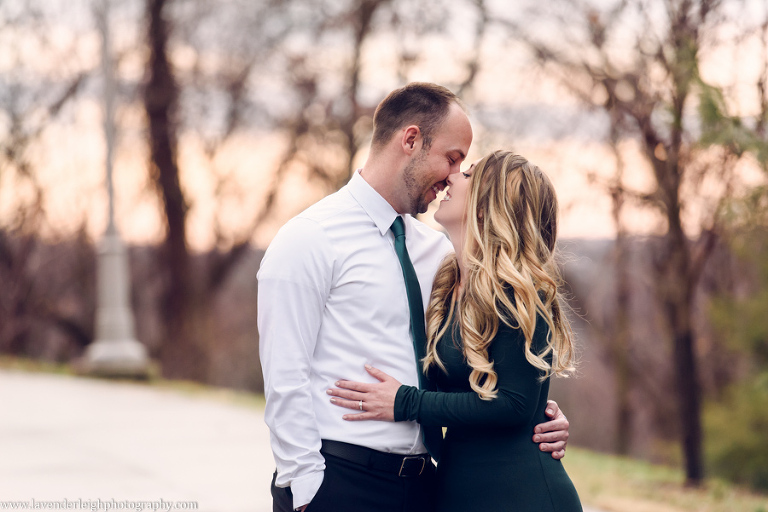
x=332, y=299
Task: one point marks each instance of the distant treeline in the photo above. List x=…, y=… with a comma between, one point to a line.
x=48, y=305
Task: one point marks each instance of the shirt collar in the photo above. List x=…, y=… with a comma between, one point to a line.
x=377, y=208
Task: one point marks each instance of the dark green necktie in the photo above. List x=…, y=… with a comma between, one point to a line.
x=432, y=435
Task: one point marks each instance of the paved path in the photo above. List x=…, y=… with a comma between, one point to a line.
x=72, y=438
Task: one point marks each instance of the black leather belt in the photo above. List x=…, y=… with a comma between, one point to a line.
x=400, y=465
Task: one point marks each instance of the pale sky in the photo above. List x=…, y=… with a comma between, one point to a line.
x=526, y=113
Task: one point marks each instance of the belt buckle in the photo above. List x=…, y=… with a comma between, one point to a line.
x=406, y=459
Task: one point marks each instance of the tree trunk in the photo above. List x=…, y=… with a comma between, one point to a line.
x=182, y=355
x=362, y=26
x=679, y=305
x=676, y=283
x=621, y=325
x=621, y=347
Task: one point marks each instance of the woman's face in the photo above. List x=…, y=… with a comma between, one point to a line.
x=450, y=214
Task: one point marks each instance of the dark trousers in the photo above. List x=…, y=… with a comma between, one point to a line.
x=351, y=487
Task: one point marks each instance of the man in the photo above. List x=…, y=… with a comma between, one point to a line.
x=332, y=299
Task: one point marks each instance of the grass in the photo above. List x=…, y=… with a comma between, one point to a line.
x=618, y=484
x=608, y=482
x=32, y=365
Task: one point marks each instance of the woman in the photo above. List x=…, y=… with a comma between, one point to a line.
x=496, y=333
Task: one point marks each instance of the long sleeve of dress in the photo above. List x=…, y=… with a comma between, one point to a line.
x=519, y=387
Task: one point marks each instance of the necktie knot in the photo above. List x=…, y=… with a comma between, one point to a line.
x=398, y=227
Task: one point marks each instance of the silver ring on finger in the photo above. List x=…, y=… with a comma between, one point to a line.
x=360, y=404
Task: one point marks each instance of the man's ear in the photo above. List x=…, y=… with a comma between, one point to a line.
x=411, y=139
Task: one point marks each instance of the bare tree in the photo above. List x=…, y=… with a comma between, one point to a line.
x=614, y=331
x=30, y=101
x=224, y=72
x=324, y=119
x=648, y=87
x=182, y=353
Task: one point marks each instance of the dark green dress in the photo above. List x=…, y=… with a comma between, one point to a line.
x=488, y=459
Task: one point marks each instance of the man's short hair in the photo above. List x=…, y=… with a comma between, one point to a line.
x=422, y=104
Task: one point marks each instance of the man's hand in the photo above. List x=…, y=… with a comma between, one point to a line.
x=552, y=436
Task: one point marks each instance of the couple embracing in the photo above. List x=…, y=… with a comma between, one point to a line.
x=359, y=384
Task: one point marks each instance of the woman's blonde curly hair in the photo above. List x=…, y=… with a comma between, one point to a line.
x=510, y=232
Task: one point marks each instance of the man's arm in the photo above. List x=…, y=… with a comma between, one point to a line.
x=294, y=281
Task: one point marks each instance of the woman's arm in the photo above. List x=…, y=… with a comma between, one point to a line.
x=518, y=387
x=519, y=393
x=518, y=390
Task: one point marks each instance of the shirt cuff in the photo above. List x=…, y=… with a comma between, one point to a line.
x=305, y=488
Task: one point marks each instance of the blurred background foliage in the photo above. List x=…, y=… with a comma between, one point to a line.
x=741, y=321
x=234, y=115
